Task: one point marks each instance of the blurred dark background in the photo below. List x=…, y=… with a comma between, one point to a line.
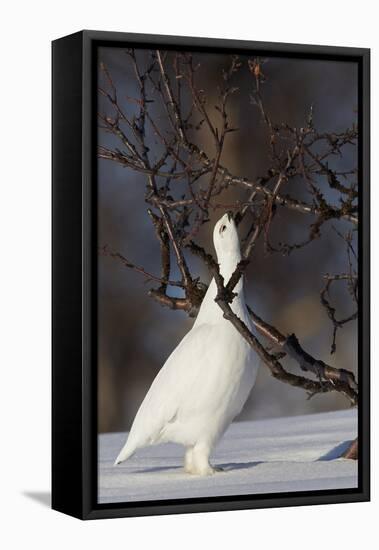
x=136, y=335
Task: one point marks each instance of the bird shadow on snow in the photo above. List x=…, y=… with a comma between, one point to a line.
x=336, y=452
x=333, y=454
x=157, y=469
x=227, y=467
x=231, y=466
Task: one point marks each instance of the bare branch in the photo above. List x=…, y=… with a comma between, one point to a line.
x=185, y=184
x=106, y=251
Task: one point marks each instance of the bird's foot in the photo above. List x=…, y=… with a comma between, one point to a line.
x=196, y=460
x=203, y=471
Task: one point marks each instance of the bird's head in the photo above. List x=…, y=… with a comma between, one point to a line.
x=225, y=238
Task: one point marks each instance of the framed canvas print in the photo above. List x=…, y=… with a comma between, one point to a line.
x=210, y=275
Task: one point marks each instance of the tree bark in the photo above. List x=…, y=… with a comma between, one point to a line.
x=352, y=451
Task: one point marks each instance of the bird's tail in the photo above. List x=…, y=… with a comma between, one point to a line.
x=126, y=452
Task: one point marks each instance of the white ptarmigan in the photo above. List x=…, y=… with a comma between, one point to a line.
x=206, y=380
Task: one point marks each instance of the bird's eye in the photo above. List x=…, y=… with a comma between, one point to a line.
x=223, y=227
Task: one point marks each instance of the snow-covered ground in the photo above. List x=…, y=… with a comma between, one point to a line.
x=265, y=456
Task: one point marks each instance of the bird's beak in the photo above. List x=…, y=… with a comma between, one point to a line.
x=230, y=215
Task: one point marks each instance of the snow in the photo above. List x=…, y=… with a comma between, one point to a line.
x=297, y=453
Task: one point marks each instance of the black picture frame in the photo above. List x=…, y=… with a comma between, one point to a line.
x=74, y=386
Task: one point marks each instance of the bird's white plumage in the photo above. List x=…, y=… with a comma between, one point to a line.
x=206, y=380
